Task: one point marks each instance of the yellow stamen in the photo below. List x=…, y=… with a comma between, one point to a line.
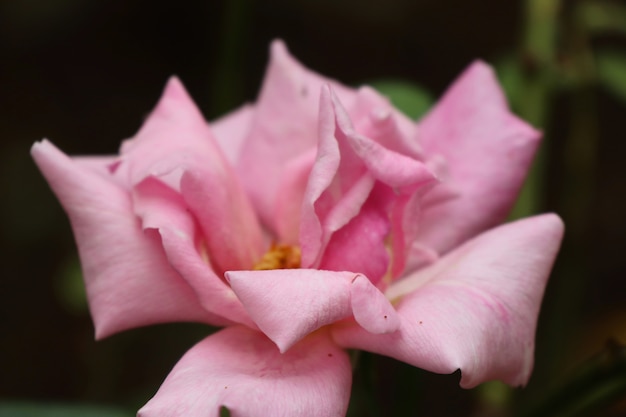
x=279, y=257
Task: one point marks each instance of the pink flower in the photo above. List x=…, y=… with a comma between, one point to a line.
x=377, y=221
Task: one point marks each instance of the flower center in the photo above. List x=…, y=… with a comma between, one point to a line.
x=279, y=257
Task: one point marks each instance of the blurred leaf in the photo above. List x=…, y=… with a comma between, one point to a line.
x=598, y=17
x=495, y=394
x=596, y=385
x=70, y=287
x=511, y=79
x=541, y=30
x=611, y=70
x=408, y=97
x=224, y=412
x=59, y=410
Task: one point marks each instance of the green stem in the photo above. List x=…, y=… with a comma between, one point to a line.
x=538, y=62
x=541, y=30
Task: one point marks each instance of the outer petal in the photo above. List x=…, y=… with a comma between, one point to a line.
x=231, y=130
x=163, y=210
x=176, y=146
x=488, y=151
x=284, y=127
x=129, y=281
x=288, y=304
x=174, y=137
x=242, y=370
x=475, y=309
x=102, y=165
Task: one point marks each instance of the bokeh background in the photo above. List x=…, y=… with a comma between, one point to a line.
x=85, y=74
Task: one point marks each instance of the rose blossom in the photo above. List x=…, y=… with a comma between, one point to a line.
x=318, y=219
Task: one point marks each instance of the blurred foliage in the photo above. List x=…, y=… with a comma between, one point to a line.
x=611, y=66
x=411, y=99
x=597, y=383
x=71, y=288
x=600, y=17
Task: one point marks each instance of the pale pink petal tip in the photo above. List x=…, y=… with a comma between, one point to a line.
x=175, y=94
x=371, y=309
x=41, y=146
x=278, y=47
x=174, y=86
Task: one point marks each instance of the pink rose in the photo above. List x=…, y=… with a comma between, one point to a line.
x=377, y=223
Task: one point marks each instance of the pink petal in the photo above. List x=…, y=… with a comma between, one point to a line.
x=231, y=131
x=242, y=370
x=376, y=118
x=99, y=164
x=404, y=176
x=408, y=252
x=284, y=127
x=312, y=236
x=103, y=166
x=475, y=309
x=359, y=245
x=371, y=309
x=390, y=167
x=174, y=138
x=164, y=211
x=176, y=146
x=288, y=304
x=231, y=230
x=347, y=167
x=128, y=278
x=289, y=200
x=488, y=151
